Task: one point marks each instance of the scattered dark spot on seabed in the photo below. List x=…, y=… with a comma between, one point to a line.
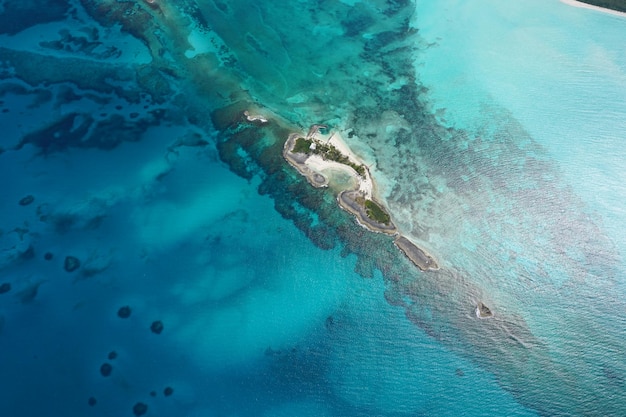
x=26, y=200
x=124, y=312
x=241, y=147
x=106, y=369
x=156, y=327
x=139, y=409
x=5, y=287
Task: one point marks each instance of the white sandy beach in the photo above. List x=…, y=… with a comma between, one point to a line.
x=316, y=163
x=592, y=7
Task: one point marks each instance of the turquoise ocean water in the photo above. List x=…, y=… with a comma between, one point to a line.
x=130, y=178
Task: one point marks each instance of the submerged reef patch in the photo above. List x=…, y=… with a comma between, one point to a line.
x=5, y=287
x=124, y=312
x=19, y=15
x=25, y=201
x=71, y=263
x=157, y=327
x=139, y=409
x=106, y=369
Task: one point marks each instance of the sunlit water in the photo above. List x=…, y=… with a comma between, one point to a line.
x=493, y=131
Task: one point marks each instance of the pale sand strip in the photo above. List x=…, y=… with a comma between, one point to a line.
x=366, y=184
x=255, y=117
x=592, y=7
x=298, y=161
x=315, y=162
x=313, y=166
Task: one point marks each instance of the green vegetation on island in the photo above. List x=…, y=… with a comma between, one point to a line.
x=619, y=5
x=326, y=151
x=367, y=210
x=302, y=145
x=376, y=213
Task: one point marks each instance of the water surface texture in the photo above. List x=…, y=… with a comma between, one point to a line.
x=159, y=257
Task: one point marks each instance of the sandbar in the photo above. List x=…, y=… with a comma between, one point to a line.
x=255, y=117
x=592, y=7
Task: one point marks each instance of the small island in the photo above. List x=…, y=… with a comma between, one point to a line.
x=316, y=158
x=420, y=258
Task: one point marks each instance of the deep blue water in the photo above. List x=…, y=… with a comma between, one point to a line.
x=132, y=183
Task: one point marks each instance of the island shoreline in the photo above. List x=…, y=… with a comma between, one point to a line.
x=352, y=200
x=582, y=5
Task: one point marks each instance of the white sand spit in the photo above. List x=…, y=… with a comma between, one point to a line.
x=592, y=7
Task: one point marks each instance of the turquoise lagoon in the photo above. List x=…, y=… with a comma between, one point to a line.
x=494, y=132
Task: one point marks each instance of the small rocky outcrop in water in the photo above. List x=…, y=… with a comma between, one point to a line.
x=417, y=255
x=483, y=312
